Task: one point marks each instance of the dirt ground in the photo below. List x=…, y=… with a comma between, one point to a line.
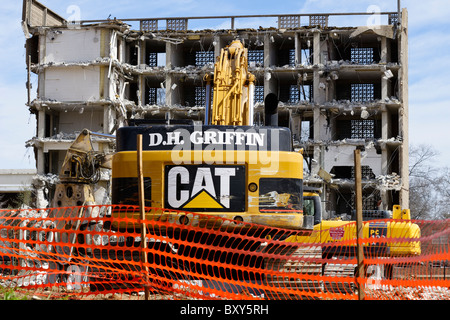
x=386, y=293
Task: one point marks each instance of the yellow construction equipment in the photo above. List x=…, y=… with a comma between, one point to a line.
x=329, y=233
x=233, y=87
x=225, y=167
x=230, y=168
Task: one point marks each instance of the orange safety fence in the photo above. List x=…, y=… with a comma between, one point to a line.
x=92, y=251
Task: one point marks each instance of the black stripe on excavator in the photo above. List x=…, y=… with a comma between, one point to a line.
x=190, y=137
x=350, y=251
x=125, y=191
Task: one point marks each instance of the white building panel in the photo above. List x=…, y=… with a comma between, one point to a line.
x=72, y=84
x=343, y=155
x=72, y=45
x=16, y=180
x=83, y=117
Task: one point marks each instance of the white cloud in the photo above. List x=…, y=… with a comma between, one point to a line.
x=428, y=55
x=429, y=58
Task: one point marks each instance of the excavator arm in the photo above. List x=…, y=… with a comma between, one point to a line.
x=233, y=87
x=80, y=171
x=82, y=163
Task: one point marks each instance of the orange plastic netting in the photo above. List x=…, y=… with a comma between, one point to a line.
x=96, y=250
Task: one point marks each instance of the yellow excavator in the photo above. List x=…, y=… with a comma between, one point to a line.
x=378, y=224
x=230, y=168
x=226, y=167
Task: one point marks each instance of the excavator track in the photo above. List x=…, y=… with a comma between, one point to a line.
x=301, y=261
x=338, y=270
x=304, y=261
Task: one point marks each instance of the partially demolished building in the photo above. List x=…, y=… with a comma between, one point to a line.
x=339, y=88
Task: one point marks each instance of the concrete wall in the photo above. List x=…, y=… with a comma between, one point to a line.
x=72, y=84
x=15, y=180
x=73, y=45
x=83, y=117
x=344, y=156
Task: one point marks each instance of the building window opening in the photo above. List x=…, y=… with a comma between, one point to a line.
x=365, y=129
x=156, y=59
x=362, y=129
x=195, y=96
x=362, y=92
x=256, y=58
x=202, y=58
x=259, y=94
x=362, y=55
x=306, y=130
x=156, y=96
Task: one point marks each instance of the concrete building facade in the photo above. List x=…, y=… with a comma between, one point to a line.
x=16, y=187
x=339, y=88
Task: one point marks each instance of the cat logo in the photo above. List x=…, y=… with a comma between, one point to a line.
x=205, y=188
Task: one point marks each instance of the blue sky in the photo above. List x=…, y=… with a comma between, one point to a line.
x=429, y=57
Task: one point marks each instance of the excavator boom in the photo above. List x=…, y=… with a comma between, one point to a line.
x=233, y=87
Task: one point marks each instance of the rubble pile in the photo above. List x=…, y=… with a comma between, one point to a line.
x=389, y=182
x=409, y=293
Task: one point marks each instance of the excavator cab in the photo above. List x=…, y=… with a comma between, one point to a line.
x=311, y=204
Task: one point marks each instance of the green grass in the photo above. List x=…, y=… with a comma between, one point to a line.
x=11, y=294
